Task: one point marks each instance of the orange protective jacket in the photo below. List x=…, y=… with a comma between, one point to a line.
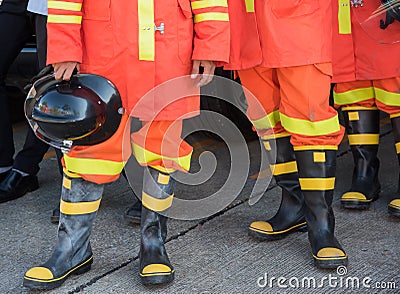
x=358, y=51
x=276, y=33
x=139, y=44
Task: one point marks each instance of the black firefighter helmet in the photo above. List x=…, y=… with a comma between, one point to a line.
x=86, y=110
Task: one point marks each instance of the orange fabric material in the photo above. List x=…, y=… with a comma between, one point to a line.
x=290, y=33
x=300, y=92
x=390, y=85
x=164, y=139
x=106, y=43
x=109, y=150
x=245, y=42
x=361, y=55
x=161, y=137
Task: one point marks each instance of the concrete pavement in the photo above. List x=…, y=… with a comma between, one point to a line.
x=214, y=254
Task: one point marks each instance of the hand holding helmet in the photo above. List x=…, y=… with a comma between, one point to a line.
x=86, y=110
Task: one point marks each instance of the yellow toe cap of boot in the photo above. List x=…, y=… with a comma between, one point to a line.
x=39, y=273
x=354, y=196
x=156, y=269
x=261, y=227
x=395, y=204
x=330, y=253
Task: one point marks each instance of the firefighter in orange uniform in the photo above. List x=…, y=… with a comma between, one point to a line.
x=282, y=51
x=137, y=45
x=366, y=70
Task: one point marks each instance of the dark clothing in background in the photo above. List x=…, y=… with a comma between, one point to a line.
x=13, y=6
x=15, y=30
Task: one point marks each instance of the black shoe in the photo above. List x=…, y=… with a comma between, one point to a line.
x=134, y=213
x=15, y=186
x=4, y=175
x=55, y=216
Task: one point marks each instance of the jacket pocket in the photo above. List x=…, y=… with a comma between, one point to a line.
x=185, y=31
x=96, y=9
x=293, y=8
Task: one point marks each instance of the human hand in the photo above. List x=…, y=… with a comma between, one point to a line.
x=64, y=70
x=208, y=71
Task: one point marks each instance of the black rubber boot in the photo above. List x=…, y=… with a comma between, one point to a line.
x=290, y=215
x=55, y=216
x=133, y=213
x=317, y=179
x=394, y=205
x=155, y=267
x=80, y=201
x=362, y=125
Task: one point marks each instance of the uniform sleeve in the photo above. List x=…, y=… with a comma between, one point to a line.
x=64, y=31
x=212, y=33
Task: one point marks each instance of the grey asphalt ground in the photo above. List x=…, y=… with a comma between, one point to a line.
x=213, y=254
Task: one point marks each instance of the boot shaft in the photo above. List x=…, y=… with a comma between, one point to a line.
x=282, y=161
x=362, y=125
x=80, y=201
x=395, y=119
x=317, y=168
x=157, y=197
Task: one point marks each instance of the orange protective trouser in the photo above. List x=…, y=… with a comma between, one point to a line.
x=383, y=94
x=295, y=100
x=157, y=144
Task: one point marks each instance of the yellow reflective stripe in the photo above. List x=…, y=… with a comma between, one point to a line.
x=353, y=96
x=363, y=139
x=249, y=5
x=267, y=122
x=394, y=115
x=67, y=183
x=163, y=179
x=309, y=128
x=319, y=156
x=144, y=157
x=275, y=136
x=76, y=208
x=397, y=147
x=64, y=5
x=344, y=17
x=350, y=108
x=56, y=18
x=353, y=115
x=209, y=3
x=71, y=174
x=267, y=146
x=387, y=98
x=146, y=30
x=90, y=166
x=207, y=16
x=156, y=204
x=163, y=169
x=284, y=168
x=320, y=184
x=315, y=147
